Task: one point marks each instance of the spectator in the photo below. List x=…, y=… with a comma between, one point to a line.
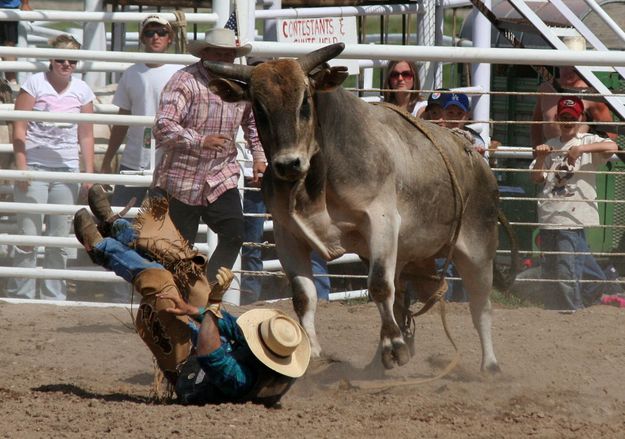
x=403, y=76
x=197, y=131
x=545, y=109
x=138, y=93
x=564, y=216
x=8, y=32
x=52, y=147
x=456, y=112
x=434, y=110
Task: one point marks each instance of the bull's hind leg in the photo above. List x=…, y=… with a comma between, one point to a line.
x=383, y=237
x=294, y=256
x=477, y=275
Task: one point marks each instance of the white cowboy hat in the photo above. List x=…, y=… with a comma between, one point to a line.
x=277, y=340
x=220, y=39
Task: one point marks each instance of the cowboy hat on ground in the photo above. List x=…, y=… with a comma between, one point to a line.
x=219, y=38
x=278, y=341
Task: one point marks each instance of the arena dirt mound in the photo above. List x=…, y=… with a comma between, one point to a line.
x=82, y=372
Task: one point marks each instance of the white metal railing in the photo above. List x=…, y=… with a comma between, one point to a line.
x=353, y=51
x=374, y=53
x=100, y=17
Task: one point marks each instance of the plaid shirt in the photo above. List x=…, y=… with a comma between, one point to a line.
x=188, y=113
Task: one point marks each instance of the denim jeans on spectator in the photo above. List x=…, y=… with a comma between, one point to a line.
x=123, y=194
x=322, y=283
x=591, y=292
x=42, y=192
x=564, y=295
x=251, y=257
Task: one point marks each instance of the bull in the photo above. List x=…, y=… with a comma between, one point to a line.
x=348, y=176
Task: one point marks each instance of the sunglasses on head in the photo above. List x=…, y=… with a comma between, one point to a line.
x=72, y=62
x=151, y=32
x=407, y=74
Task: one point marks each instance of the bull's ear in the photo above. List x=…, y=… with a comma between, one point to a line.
x=229, y=91
x=330, y=78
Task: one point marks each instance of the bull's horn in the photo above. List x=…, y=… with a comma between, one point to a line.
x=313, y=59
x=238, y=72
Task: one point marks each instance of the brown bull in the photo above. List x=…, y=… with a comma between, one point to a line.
x=347, y=176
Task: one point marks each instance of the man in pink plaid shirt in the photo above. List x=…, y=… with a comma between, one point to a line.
x=198, y=171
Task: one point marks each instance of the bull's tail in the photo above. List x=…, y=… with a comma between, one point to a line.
x=503, y=280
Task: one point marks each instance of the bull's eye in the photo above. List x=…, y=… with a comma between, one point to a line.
x=304, y=109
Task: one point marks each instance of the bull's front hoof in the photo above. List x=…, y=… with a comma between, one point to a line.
x=387, y=358
x=399, y=354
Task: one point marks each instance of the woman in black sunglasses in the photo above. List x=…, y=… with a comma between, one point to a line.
x=403, y=77
x=50, y=147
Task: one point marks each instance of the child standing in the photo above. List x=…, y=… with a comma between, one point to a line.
x=562, y=215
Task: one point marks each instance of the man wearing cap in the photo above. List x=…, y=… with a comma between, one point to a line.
x=196, y=131
x=207, y=354
x=546, y=105
x=456, y=111
x=138, y=93
x=561, y=213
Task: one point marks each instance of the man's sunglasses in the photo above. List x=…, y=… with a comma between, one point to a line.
x=72, y=62
x=405, y=74
x=149, y=33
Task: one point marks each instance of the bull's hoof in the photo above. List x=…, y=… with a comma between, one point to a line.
x=315, y=351
x=492, y=369
x=399, y=354
x=387, y=358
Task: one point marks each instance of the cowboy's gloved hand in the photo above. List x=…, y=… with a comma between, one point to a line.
x=221, y=285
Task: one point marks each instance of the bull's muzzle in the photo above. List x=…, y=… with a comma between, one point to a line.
x=290, y=167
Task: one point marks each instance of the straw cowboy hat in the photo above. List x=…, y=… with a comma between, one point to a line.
x=219, y=39
x=277, y=340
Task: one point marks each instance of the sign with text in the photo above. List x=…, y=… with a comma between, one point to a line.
x=325, y=30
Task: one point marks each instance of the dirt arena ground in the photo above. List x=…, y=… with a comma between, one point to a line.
x=82, y=372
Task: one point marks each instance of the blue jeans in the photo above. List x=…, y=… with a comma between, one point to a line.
x=455, y=288
x=322, y=284
x=42, y=192
x=115, y=253
x=564, y=295
x=251, y=257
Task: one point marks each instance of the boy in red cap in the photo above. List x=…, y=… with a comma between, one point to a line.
x=567, y=202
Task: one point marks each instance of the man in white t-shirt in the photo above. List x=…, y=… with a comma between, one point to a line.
x=138, y=93
x=567, y=202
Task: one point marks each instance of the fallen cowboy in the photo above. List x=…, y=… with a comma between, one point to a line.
x=205, y=353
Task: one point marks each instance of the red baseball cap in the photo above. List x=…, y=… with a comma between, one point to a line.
x=571, y=105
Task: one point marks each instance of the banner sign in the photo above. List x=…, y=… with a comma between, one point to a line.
x=324, y=30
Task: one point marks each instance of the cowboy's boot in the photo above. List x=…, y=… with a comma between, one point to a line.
x=86, y=230
x=99, y=204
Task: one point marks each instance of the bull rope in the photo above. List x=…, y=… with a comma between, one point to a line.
x=438, y=295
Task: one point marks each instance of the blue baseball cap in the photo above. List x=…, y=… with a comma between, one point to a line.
x=438, y=98
x=460, y=100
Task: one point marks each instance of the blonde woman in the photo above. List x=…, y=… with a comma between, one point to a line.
x=50, y=147
x=403, y=77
